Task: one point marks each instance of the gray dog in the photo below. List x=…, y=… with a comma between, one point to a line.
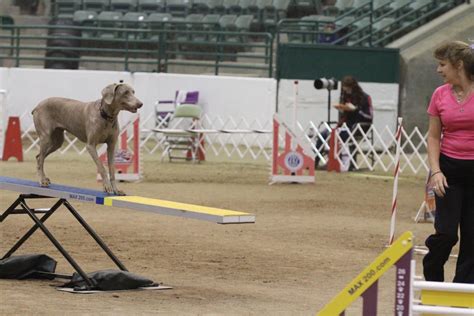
x=93, y=123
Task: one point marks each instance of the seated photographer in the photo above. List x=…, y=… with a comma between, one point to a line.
x=355, y=106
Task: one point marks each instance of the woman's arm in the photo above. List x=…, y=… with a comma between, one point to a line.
x=438, y=180
x=434, y=140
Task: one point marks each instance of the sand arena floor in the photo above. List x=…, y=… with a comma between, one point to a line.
x=308, y=242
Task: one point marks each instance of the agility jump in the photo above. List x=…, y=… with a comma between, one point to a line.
x=32, y=190
x=435, y=298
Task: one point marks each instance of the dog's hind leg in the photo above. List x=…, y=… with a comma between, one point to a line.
x=48, y=145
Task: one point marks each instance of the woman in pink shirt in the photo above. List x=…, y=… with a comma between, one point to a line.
x=451, y=158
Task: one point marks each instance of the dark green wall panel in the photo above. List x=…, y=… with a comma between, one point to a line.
x=317, y=61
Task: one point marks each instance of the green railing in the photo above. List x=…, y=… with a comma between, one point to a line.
x=154, y=50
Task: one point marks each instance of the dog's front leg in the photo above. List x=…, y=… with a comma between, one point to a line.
x=91, y=148
x=110, y=161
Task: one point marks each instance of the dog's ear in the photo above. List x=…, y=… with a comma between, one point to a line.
x=108, y=93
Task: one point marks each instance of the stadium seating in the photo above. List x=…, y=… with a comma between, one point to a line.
x=109, y=19
x=134, y=20
x=231, y=6
x=95, y=5
x=87, y=19
x=123, y=6
x=151, y=6
x=350, y=19
x=66, y=8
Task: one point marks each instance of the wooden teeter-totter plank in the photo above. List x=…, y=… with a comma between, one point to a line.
x=216, y=215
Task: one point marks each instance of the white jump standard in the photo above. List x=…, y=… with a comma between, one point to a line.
x=32, y=190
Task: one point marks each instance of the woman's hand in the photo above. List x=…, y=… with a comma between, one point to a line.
x=439, y=183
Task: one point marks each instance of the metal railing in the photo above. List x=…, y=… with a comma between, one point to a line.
x=154, y=50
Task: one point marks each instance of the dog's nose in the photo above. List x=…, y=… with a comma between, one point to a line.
x=140, y=105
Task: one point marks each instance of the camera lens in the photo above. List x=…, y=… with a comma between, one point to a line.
x=323, y=83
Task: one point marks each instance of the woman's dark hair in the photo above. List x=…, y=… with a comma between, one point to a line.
x=455, y=52
x=357, y=94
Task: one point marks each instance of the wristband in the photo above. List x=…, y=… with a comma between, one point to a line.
x=439, y=171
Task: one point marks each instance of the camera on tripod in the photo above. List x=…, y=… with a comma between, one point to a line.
x=324, y=83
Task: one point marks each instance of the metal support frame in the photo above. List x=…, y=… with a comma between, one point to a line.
x=39, y=223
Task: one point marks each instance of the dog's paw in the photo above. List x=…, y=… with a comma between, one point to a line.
x=45, y=182
x=120, y=192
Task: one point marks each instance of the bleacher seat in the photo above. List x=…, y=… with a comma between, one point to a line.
x=418, y=8
x=227, y=22
x=421, y=4
x=215, y=6
x=247, y=5
x=362, y=26
x=381, y=7
x=151, y=6
x=208, y=23
x=399, y=7
x=194, y=19
x=191, y=23
x=307, y=7
x=109, y=19
x=341, y=7
x=209, y=6
x=66, y=8
x=86, y=19
x=241, y=24
x=383, y=25
x=158, y=22
x=95, y=5
x=134, y=20
x=274, y=13
x=179, y=8
x=123, y=6
x=360, y=8
x=200, y=6
x=231, y=6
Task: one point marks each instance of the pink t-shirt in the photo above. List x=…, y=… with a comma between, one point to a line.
x=457, y=121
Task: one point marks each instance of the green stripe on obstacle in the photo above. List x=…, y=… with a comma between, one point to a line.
x=369, y=276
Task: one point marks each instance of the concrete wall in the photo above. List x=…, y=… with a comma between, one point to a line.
x=418, y=67
x=251, y=99
x=237, y=97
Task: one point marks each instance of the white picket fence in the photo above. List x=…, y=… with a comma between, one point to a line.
x=375, y=149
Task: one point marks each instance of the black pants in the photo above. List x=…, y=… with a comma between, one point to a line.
x=454, y=210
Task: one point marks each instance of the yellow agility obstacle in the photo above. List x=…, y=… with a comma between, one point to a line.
x=138, y=203
x=30, y=190
x=412, y=297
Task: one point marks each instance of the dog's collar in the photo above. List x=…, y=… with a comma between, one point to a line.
x=105, y=116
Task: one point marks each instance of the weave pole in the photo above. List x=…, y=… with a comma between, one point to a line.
x=395, y=181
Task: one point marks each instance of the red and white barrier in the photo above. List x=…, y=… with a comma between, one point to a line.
x=12, y=146
x=127, y=162
x=291, y=164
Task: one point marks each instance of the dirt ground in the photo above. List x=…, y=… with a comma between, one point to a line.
x=307, y=243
